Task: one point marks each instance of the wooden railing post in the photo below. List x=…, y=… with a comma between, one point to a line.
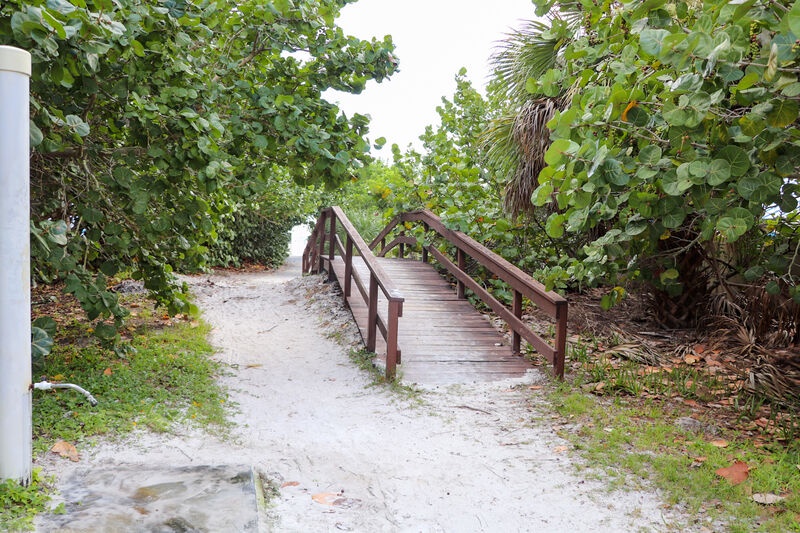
x=321, y=255
x=517, y=310
x=392, y=353
x=402, y=246
x=462, y=263
x=348, y=267
x=561, y=339
x=332, y=247
x=372, y=313
x=425, y=248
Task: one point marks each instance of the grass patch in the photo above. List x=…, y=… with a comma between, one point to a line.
x=19, y=505
x=365, y=360
x=165, y=377
x=168, y=377
x=624, y=422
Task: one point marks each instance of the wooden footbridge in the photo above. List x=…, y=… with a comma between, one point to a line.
x=425, y=321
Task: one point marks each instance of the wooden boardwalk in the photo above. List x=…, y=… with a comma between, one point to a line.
x=442, y=339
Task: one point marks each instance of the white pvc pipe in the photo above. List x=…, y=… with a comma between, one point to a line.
x=15, y=295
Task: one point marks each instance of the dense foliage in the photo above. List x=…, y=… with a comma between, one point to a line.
x=153, y=123
x=679, y=143
x=649, y=141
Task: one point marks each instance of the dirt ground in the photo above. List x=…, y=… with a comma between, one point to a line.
x=344, y=454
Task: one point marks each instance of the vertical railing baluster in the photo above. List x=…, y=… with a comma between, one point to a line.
x=372, y=313
x=517, y=310
x=348, y=267
x=561, y=339
x=332, y=247
x=321, y=255
x=392, y=353
x=424, y=247
x=462, y=263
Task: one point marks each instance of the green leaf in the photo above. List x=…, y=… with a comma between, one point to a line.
x=719, y=171
x=636, y=227
x=105, y=331
x=650, y=154
x=555, y=225
x=47, y=324
x=754, y=273
x=613, y=173
x=78, y=125
x=675, y=185
x=36, y=135
x=674, y=218
x=41, y=343
x=260, y=141
x=793, y=17
x=138, y=49
x=731, y=228
x=760, y=188
x=56, y=231
x=748, y=81
x=543, y=194
x=783, y=114
x=54, y=24
x=559, y=151
x=773, y=288
x=737, y=158
x=650, y=40
x=669, y=275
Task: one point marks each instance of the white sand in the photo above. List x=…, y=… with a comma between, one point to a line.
x=459, y=459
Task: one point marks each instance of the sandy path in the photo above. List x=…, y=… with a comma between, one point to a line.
x=458, y=459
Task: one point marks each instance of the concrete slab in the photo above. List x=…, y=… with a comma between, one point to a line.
x=137, y=498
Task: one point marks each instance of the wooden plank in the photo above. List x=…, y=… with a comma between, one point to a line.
x=442, y=337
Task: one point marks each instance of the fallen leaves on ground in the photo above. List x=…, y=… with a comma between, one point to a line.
x=66, y=450
x=719, y=443
x=736, y=473
x=326, y=498
x=290, y=484
x=336, y=499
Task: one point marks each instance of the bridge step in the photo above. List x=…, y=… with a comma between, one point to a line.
x=443, y=339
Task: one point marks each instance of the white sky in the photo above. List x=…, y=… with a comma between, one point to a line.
x=433, y=39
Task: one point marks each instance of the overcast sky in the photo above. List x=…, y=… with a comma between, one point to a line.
x=433, y=40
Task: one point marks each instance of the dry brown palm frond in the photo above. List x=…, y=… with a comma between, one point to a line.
x=777, y=378
x=754, y=317
x=531, y=135
x=638, y=352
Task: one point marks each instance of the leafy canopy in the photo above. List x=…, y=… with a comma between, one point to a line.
x=681, y=136
x=153, y=122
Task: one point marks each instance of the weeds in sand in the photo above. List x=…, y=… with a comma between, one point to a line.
x=622, y=420
x=365, y=360
x=20, y=504
x=169, y=377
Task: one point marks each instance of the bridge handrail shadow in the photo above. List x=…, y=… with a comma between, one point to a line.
x=315, y=260
x=523, y=285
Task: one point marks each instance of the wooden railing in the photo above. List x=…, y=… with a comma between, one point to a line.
x=522, y=285
x=319, y=255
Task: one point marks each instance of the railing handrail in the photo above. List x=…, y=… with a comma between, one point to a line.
x=523, y=284
x=314, y=259
x=477, y=251
x=386, y=284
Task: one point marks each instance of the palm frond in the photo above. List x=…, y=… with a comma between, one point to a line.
x=523, y=54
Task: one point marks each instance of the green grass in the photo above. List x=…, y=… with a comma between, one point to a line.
x=168, y=378
x=364, y=360
x=19, y=505
x=633, y=441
